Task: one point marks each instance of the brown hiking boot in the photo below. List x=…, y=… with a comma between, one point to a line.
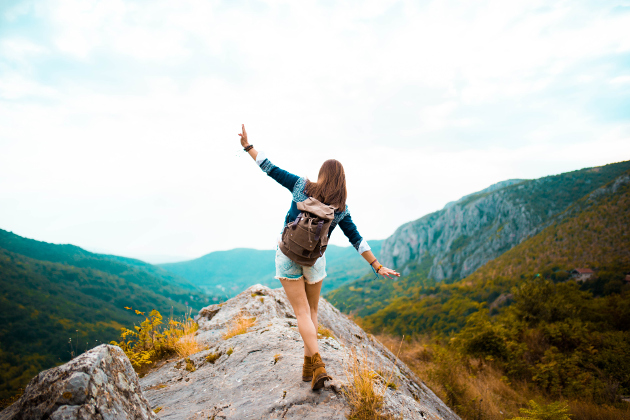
x=307, y=369
x=319, y=372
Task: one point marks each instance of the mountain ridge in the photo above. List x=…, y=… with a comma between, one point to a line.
x=452, y=243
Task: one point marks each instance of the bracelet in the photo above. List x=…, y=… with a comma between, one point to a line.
x=375, y=259
x=248, y=148
x=379, y=268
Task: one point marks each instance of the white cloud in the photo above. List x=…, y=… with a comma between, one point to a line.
x=125, y=139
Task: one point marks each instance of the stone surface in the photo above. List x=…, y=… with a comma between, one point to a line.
x=99, y=384
x=261, y=378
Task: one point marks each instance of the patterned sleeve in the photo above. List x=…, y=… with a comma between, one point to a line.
x=282, y=177
x=352, y=233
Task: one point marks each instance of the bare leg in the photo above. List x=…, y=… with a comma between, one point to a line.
x=312, y=295
x=296, y=293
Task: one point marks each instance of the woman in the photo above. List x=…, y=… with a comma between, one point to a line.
x=303, y=284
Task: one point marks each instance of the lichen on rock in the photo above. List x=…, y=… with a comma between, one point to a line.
x=99, y=384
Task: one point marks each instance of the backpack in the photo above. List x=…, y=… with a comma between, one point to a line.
x=304, y=240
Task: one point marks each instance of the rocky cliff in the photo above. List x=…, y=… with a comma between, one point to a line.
x=254, y=375
x=453, y=242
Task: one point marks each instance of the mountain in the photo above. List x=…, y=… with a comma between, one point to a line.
x=58, y=299
x=255, y=374
x=595, y=234
x=452, y=243
x=216, y=272
x=528, y=317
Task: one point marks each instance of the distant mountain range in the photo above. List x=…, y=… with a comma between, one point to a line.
x=450, y=244
x=230, y=272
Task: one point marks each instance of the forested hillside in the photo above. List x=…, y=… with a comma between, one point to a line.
x=216, y=273
x=60, y=298
x=595, y=235
x=524, y=315
x=450, y=244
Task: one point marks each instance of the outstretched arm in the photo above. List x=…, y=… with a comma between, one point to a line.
x=383, y=271
x=350, y=230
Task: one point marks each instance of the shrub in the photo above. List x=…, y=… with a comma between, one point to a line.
x=152, y=340
x=554, y=411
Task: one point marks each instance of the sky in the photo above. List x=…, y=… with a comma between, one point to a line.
x=119, y=119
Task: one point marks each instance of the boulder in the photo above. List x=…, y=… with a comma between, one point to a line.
x=99, y=384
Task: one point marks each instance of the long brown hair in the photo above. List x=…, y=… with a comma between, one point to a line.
x=330, y=187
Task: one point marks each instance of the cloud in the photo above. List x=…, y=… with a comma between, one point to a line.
x=118, y=119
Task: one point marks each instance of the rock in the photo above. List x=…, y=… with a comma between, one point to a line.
x=257, y=375
x=99, y=384
x=453, y=242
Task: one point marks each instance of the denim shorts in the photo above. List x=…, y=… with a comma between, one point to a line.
x=287, y=269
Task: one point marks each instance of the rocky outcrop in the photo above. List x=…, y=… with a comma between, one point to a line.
x=99, y=384
x=253, y=375
x=458, y=239
x=257, y=375
x=453, y=242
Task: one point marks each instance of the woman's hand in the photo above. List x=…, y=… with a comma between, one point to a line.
x=384, y=271
x=244, y=141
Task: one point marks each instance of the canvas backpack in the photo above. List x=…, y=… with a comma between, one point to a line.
x=304, y=240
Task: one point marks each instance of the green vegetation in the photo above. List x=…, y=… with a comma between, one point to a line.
x=519, y=326
x=147, y=276
x=153, y=340
x=59, y=300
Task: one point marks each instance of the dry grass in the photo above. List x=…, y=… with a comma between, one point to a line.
x=475, y=389
x=239, y=325
x=276, y=358
x=587, y=411
x=324, y=332
x=472, y=389
x=363, y=393
x=187, y=344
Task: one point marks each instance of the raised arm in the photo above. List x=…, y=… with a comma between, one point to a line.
x=252, y=152
x=282, y=177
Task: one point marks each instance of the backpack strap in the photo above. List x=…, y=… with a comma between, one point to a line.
x=319, y=229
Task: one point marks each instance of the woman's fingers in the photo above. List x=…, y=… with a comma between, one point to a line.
x=387, y=271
